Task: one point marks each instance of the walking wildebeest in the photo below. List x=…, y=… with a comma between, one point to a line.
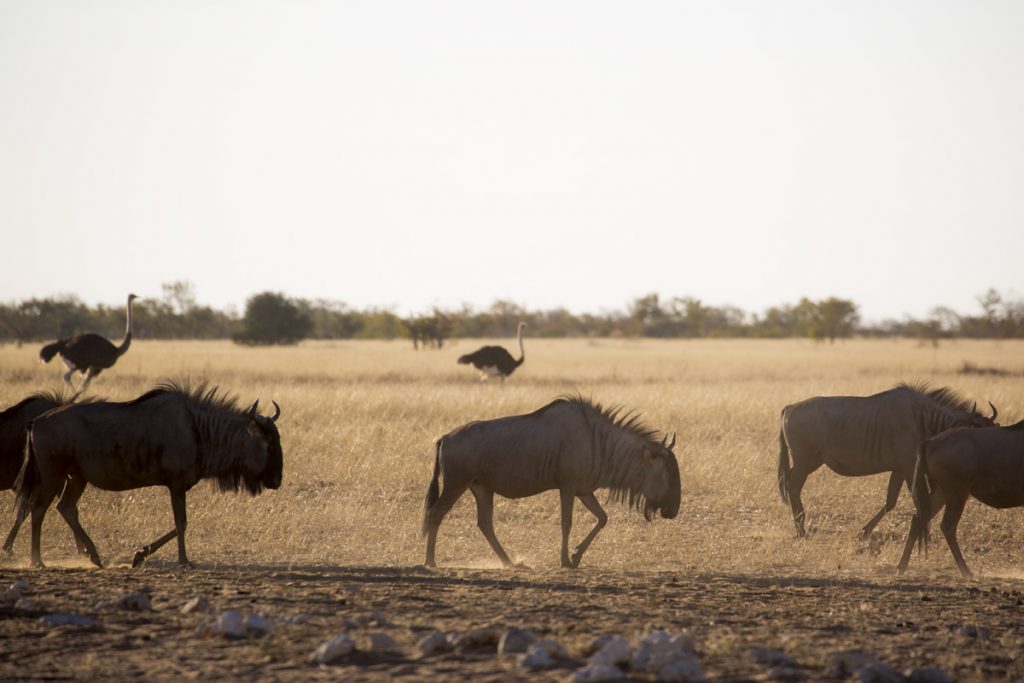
x=955, y=465
x=857, y=436
x=14, y=422
x=171, y=436
x=572, y=445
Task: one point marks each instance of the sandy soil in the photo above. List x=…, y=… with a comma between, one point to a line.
x=905, y=623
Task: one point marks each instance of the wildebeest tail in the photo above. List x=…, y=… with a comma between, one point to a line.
x=921, y=492
x=434, y=490
x=466, y=359
x=783, y=467
x=47, y=353
x=27, y=483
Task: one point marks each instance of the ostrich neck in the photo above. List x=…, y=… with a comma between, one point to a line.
x=522, y=353
x=127, y=330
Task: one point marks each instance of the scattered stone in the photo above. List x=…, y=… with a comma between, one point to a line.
x=33, y=605
x=486, y=637
x=9, y=597
x=683, y=669
x=197, y=604
x=299, y=618
x=515, y=640
x=536, y=659
x=230, y=624
x=928, y=676
x=257, y=625
x=597, y=673
x=432, y=644
x=783, y=673
x=68, y=619
x=377, y=642
x=552, y=647
x=135, y=601
x=971, y=631
x=614, y=650
x=879, y=673
x=769, y=657
x=658, y=649
x=334, y=649
x=596, y=644
x=20, y=585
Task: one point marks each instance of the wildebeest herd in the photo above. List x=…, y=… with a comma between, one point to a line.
x=175, y=435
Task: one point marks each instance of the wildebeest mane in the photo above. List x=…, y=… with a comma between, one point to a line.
x=941, y=395
x=56, y=396
x=625, y=465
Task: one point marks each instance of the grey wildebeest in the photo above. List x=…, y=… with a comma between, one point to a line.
x=858, y=436
x=572, y=445
x=987, y=464
x=171, y=436
x=14, y=422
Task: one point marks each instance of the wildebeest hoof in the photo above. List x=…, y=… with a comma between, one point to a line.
x=140, y=557
x=186, y=565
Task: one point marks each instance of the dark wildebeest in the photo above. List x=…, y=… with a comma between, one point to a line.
x=857, y=436
x=171, y=436
x=14, y=423
x=572, y=445
x=951, y=467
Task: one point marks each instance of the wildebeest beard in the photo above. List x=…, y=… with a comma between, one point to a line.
x=232, y=480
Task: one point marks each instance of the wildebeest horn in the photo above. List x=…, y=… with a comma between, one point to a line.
x=994, y=411
x=673, y=441
x=252, y=409
x=277, y=412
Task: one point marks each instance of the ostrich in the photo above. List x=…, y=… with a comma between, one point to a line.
x=495, y=361
x=88, y=353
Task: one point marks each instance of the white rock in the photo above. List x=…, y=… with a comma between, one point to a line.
x=658, y=649
x=20, y=585
x=615, y=650
x=515, y=640
x=230, y=624
x=682, y=669
x=433, y=643
x=258, y=625
x=334, y=649
x=377, y=642
x=597, y=673
x=197, y=604
x=536, y=658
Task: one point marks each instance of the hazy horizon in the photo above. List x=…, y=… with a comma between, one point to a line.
x=567, y=154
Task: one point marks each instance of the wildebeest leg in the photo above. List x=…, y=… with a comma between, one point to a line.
x=590, y=500
x=180, y=522
x=797, y=477
x=444, y=503
x=68, y=508
x=567, y=500
x=142, y=553
x=950, y=520
x=485, y=520
x=18, y=519
x=938, y=499
x=896, y=480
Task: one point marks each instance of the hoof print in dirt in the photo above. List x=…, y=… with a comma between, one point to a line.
x=333, y=650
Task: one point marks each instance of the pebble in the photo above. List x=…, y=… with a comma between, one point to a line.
x=197, y=604
x=135, y=601
x=613, y=651
x=9, y=597
x=230, y=624
x=515, y=640
x=257, y=625
x=68, y=619
x=485, y=637
x=334, y=649
x=433, y=643
x=597, y=673
x=377, y=642
x=769, y=657
x=683, y=669
x=20, y=585
x=658, y=649
x=536, y=659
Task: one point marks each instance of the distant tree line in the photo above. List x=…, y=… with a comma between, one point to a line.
x=273, y=318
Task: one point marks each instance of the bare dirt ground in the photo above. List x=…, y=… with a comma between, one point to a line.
x=904, y=623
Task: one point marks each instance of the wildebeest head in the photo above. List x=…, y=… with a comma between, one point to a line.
x=979, y=420
x=661, y=487
x=262, y=459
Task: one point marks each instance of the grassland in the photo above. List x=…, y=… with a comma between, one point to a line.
x=359, y=420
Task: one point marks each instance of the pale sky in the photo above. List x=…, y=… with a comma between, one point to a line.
x=575, y=154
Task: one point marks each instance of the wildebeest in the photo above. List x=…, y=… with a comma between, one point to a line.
x=572, y=445
x=14, y=422
x=173, y=436
x=955, y=465
x=857, y=436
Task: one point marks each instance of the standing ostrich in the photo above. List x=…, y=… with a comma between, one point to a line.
x=88, y=353
x=495, y=361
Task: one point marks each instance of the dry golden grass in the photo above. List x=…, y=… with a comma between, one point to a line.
x=359, y=420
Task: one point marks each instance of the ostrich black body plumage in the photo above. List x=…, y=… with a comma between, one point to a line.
x=495, y=361
x=89, y=353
